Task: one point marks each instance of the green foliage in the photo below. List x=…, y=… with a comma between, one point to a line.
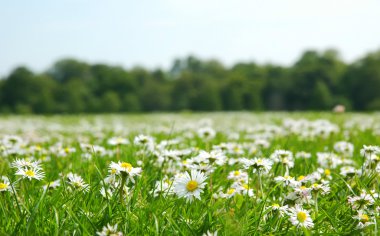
x=80, y=145
x=317, y=81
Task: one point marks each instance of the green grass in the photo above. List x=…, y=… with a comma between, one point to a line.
x=29, y=210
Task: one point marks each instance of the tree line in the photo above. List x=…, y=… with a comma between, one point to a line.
x=317, y=81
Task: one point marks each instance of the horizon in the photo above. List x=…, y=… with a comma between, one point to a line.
x=153, y=34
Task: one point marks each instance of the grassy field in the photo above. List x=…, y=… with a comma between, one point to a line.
x=190, y=174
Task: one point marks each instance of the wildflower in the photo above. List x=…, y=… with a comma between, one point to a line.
x=282, y=210
x=106, y=193
x=323, y=188
x=190, y=186
x=206, y=133
x=53, y=184
x=286, y=180
x=116, y=141
x=126, y=168
x=25, y=164
x=300, y=217
x=304, y=155
x=238, y=175
x=143, y=140
x=163, y=188
x=345, y=148
x=4, y=184
x=30, y=173
x=214, y=156
x=367, y=151
x=210, y=233
x=110, y=231
x=364, y=220
x=363, y=200
x=348, y=171
x=258, y=164
x=284, y=157
x=76, y=182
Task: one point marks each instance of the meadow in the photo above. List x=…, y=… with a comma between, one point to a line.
x=190, y=174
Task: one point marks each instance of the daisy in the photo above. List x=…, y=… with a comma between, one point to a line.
x=116, y=141
x=110, y=231
x=25, y=164
x=210, y=233
x=30, y=173
x=53, y=184
x=283, y=156
x=323, y=188
x=76, y=182
x=369, y=150
x=303, y=154
x=300, y=217
x=190, y=186
x=4, y=184
x=163, y=188
x=345, y=148
x=237, y=175
x=143, y=140
x=125, y=168
x=364, y=220
x=282, y=210
x=258, y=164
x=206, y=133
x=286, y=180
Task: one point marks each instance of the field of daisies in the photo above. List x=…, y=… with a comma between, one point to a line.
x=190, y=174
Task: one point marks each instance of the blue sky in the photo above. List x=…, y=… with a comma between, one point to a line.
x=152, y=33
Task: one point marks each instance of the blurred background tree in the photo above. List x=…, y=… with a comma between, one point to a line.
x=317, y=81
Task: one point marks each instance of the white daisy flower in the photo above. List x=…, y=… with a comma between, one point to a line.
x=110, y=231
x=282, y=210
x=126, y=168
x=258, y=164
x=286, y=180
x=364, y=220
x=116, y=141
x=190, y=186
x=206, y=133
x=5, y=185
x=25, y=164
x=31, y=173
x=53, y=184
x=300, y=217
x=76, y=182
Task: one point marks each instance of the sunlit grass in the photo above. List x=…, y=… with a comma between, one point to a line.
x=29, y=209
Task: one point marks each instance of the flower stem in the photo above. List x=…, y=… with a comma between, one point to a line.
x=121, y=191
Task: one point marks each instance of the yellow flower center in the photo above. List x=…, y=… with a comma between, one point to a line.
x=67, y=150
x=113, y=171
x=237, y=173
x=275, y=205
x=301, y=216
x=300, y=178
x=245, y=186
x=327, y=172
x=192, y=185
x=119, y=140
x=126, y=165
x=259, y=161
x=30, y=173
x=230, y=191
x=3, y=186
x=303, y=187
x=364, y=218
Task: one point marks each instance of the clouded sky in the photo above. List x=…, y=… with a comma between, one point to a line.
x=152, y=33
